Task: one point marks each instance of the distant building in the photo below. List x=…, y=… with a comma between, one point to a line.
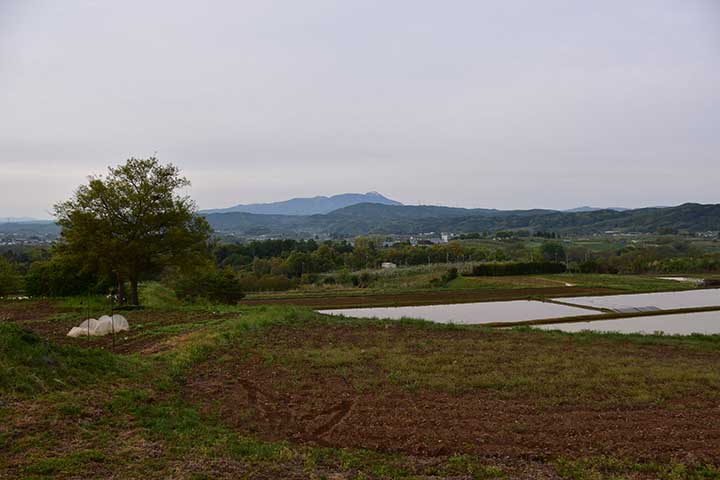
x=388, y=265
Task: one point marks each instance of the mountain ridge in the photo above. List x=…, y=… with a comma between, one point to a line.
x=307, y=205
x=381, y=219
x=368, y=218
x=595, y=209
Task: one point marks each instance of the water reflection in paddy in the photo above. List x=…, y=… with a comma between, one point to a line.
x=677, y=324
x=469, y=313
x=663, y=300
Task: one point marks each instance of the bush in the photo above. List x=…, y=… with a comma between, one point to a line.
x=60, y=277
x=363, y=280
x=596, y=266
x=447, y=277
x=9, y=278
x=450, y=275
x=221, y=286
x=516, y=268
x=158, y=295
x=267, y=283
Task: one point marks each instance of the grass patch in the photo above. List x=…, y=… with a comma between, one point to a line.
x=628, y=283
x=70, y=464
x=547, y=367
x=600, y=468
x=29, y=365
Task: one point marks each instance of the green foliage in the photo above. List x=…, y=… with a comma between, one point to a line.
x=267, y=283
x=447, y=277
x=552, y=251
x=450, y=275
x=516, y=268
x=363, y=280
x=132, y=224
x=596, y=266
x=158, y=295
x=62, y=277
x=220, y=286
x=9, y=278
x=362, y=219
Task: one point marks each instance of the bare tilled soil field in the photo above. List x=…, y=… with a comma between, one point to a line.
x=364, y=388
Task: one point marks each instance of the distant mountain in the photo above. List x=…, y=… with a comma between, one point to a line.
x=382, y=219
x=367, y=218
x=22, y=220
x=595, y=209
x=308, y=206
x=36, y=227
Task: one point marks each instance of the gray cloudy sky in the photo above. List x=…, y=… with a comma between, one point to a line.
x=503, y=103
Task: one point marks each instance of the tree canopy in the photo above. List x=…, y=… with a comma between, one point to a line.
x=132, y=223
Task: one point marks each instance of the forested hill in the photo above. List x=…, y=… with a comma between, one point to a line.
x=371, y=218
x=368, y=218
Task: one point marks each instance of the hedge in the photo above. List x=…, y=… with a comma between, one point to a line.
x=516, y=268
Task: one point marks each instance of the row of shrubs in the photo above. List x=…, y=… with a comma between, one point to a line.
x=516, y=268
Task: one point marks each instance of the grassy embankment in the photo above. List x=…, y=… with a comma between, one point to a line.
x=281, y=392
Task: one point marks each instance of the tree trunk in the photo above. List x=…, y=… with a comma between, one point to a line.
x=134, y=297
x=122, y=296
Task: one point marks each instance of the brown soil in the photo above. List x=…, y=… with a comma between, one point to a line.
x=432, y=297
x=23, y=310
x=315, y=406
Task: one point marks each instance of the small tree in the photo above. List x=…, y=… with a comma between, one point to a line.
x=552, y=251
x=132, y=223
x=221, y=286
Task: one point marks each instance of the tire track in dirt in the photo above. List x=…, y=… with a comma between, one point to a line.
x=272, y=408
x=268, y=404
x=319, y=405
x=339, y=412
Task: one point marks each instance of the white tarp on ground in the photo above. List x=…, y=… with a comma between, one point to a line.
x=103, y=326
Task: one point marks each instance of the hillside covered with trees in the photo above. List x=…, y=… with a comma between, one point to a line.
x=367, y=218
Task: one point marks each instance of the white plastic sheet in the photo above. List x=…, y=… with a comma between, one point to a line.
x=102, y=326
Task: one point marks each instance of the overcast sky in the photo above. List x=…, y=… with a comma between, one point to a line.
x=503, y=103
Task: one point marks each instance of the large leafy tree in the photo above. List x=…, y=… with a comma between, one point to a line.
x=132, y=223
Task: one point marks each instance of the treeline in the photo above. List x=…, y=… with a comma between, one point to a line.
x=278, y=265
x=516, y=268
x=508, y=234
x=648, y=261
x=292, y=258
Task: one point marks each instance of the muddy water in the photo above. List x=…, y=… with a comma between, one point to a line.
x=469, y=313
x=679, y=324
x=663, y=301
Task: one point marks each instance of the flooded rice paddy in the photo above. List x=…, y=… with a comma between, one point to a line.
x=525, y=310
x=707, y=323
x=652, y=301
x=469, y=313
